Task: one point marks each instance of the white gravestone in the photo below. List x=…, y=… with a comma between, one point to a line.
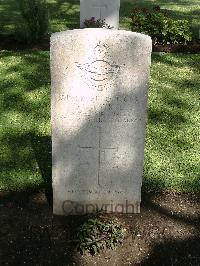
x=99, y=98
x=100, y=9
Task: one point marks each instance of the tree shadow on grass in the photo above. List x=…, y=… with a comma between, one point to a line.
x=39, y=150
x=127, y=6
x=65, y=13
x=41, y=146
x=165, y=116
x=25, y=106
x=183, y=60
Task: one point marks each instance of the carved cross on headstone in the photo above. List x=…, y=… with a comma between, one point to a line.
x=100, y=155
x=107, y=10
x=101, y=8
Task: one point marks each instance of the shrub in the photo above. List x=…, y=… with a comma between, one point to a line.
x=99, y=23
x=158, y=24
x=95, y=235
x=36, y=20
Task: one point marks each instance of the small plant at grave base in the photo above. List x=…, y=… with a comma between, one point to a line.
x=96, y=23
x=96, y=234
x=35, y=20
x=158, y=24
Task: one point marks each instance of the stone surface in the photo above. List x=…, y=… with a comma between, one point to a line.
x=100, y=9
x=99, y=98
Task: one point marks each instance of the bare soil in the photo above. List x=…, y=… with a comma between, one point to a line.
x=165, y=233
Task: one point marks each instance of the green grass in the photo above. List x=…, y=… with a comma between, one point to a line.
x=172, y=143
x=25, y=116
x=64, y=14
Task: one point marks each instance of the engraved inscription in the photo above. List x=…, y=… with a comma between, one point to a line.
x=99, y=72
x=119, y=109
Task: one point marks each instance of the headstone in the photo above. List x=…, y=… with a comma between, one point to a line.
x=100, y=9
x=99, y=98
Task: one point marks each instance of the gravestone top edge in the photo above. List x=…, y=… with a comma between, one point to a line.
x=124, y=33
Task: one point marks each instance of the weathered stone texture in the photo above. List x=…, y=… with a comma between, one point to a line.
x=99, y=98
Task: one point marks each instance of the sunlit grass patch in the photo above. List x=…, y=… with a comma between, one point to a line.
x=172, y=143
x=25, y=113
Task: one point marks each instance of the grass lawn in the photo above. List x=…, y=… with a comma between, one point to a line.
x=64, y=14
x=172, y=142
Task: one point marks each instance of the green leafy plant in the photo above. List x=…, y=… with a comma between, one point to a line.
x=95, y=235
x=158, y=24
x=36, y=20
x=96, y=23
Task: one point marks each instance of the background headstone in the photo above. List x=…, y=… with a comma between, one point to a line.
x=99, y=98
x=100, y=9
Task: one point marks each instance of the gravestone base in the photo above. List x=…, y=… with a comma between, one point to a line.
x=99, y=83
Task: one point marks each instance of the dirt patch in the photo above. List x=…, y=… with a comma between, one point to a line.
x=191, y=48
x=8, y=42
x=165, y=233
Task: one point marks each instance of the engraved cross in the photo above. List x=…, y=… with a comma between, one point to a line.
x=100, y=7
x=101, y=152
